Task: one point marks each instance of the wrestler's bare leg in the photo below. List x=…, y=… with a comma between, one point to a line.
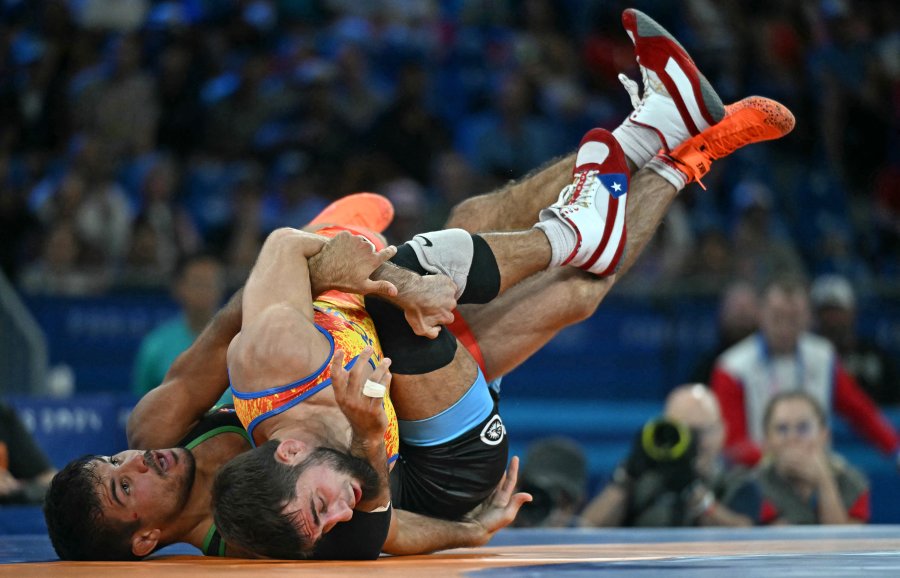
x=511, y=328
x=508, y=331
x=518, y=254
x=516, y=205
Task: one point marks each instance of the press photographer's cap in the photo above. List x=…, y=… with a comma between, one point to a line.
x=554, y=464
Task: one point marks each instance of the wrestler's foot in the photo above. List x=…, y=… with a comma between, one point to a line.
x=368, y=210
x=586, y=226
x=677, y=102
x=753, y=119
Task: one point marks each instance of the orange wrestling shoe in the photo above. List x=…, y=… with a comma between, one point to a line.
x=751, y=120
x=367, y=210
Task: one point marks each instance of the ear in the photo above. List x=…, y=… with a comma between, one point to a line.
x=291, y=452
x=143, y=542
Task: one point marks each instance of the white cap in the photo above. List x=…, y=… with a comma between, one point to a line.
x=832, y=291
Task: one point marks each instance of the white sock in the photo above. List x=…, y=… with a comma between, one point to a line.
x=562, y=239
x=640, y=144
x=667, y=170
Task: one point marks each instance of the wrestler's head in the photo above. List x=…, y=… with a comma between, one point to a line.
x=117, y=507
x=280, y=498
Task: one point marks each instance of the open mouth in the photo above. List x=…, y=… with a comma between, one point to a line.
x=158, y=461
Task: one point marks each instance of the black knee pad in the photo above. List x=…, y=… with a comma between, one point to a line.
x=410, y=354
x=484, y=276
x=482, y=281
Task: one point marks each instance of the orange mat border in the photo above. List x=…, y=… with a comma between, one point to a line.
x=453, y=563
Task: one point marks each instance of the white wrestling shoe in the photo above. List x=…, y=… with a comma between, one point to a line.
x=678, y=102
x=592, y=207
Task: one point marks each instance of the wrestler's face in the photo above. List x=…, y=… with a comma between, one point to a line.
x=152, y=486
x=329, y=487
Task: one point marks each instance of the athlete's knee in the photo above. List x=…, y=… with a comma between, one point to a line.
x=410, y=354
x=466, y=258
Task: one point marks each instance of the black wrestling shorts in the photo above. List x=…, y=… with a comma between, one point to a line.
x=448, y=480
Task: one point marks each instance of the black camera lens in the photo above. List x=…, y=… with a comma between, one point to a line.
x=665, y=440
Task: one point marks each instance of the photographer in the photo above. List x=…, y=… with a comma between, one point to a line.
x=675, y=475
x=554, y=472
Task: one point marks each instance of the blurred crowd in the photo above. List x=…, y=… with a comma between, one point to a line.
x=148, y=142
x=138, y=131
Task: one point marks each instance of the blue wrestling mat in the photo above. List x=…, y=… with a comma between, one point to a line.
x=814, y=551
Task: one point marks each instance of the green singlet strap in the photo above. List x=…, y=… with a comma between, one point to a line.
x=213, y=541
x=217, y=431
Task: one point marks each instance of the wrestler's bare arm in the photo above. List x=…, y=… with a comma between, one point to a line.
x=194, y=382
x=278, y=340
x=427, y=302
x=416, y=534
x=198, y=377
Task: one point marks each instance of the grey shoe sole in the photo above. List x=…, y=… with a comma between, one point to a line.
x=647, y=27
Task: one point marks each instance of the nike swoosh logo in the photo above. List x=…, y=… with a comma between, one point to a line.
x=428, y=242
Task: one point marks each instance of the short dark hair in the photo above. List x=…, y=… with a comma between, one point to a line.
x=75, y=521
x=249, y=494
x=789, y=283
x=788, y=395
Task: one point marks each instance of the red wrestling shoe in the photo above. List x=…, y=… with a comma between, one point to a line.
x=678, y=101
x=593, y=206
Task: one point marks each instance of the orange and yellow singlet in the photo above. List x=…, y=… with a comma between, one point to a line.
x=342, y=318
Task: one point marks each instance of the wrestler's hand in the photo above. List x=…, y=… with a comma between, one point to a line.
x=367, y=418
x=346, y=262
x=365, y=414
x=429, y=304
x=500, y=509
x=427, y=301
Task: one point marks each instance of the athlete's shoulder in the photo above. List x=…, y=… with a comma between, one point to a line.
x=219, y=420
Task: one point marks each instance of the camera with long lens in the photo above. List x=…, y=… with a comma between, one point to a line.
x=535, y=512
x=668, y=449
x=664, y=440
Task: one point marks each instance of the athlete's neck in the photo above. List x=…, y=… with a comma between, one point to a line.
x=321, y=427
x=196, y=518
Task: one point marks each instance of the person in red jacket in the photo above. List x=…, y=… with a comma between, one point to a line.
x=784, y=356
